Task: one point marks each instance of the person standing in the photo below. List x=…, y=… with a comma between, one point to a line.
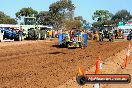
x=20, y=33
x=50, y=34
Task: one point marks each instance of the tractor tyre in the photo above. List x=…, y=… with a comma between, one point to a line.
x=31, y=34
x=81, y=80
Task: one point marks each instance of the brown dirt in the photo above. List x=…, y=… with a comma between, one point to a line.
x=41, y=64
x=112, y=65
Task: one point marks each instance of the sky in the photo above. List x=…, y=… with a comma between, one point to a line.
x=84, y=8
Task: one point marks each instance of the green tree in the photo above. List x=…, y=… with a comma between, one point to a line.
x=79, y=18
x=69, y=24
x=82, y=21
x=122, y=15
x=102, y=15
x=59, y=10
x=4, y=19
x=24, y=12
x=69, y=15
x=44, y=17
x=97, y=24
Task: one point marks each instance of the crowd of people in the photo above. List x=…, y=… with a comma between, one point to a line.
x=95, y=34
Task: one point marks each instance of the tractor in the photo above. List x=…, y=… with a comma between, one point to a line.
x=105, y=33
x=11, y=34
x=73, y=40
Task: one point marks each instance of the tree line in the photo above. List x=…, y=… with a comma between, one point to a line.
x=5, y=19
x=61, y=15
x=104, y=17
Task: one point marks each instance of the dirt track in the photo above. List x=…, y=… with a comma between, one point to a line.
x=42, y=65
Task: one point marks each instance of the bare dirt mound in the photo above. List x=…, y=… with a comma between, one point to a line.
x=43, y=65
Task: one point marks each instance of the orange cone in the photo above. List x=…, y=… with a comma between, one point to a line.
x=98, y=70
x=81, y=71
x=126, y=61
x=98, y=66
x=127, y=55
